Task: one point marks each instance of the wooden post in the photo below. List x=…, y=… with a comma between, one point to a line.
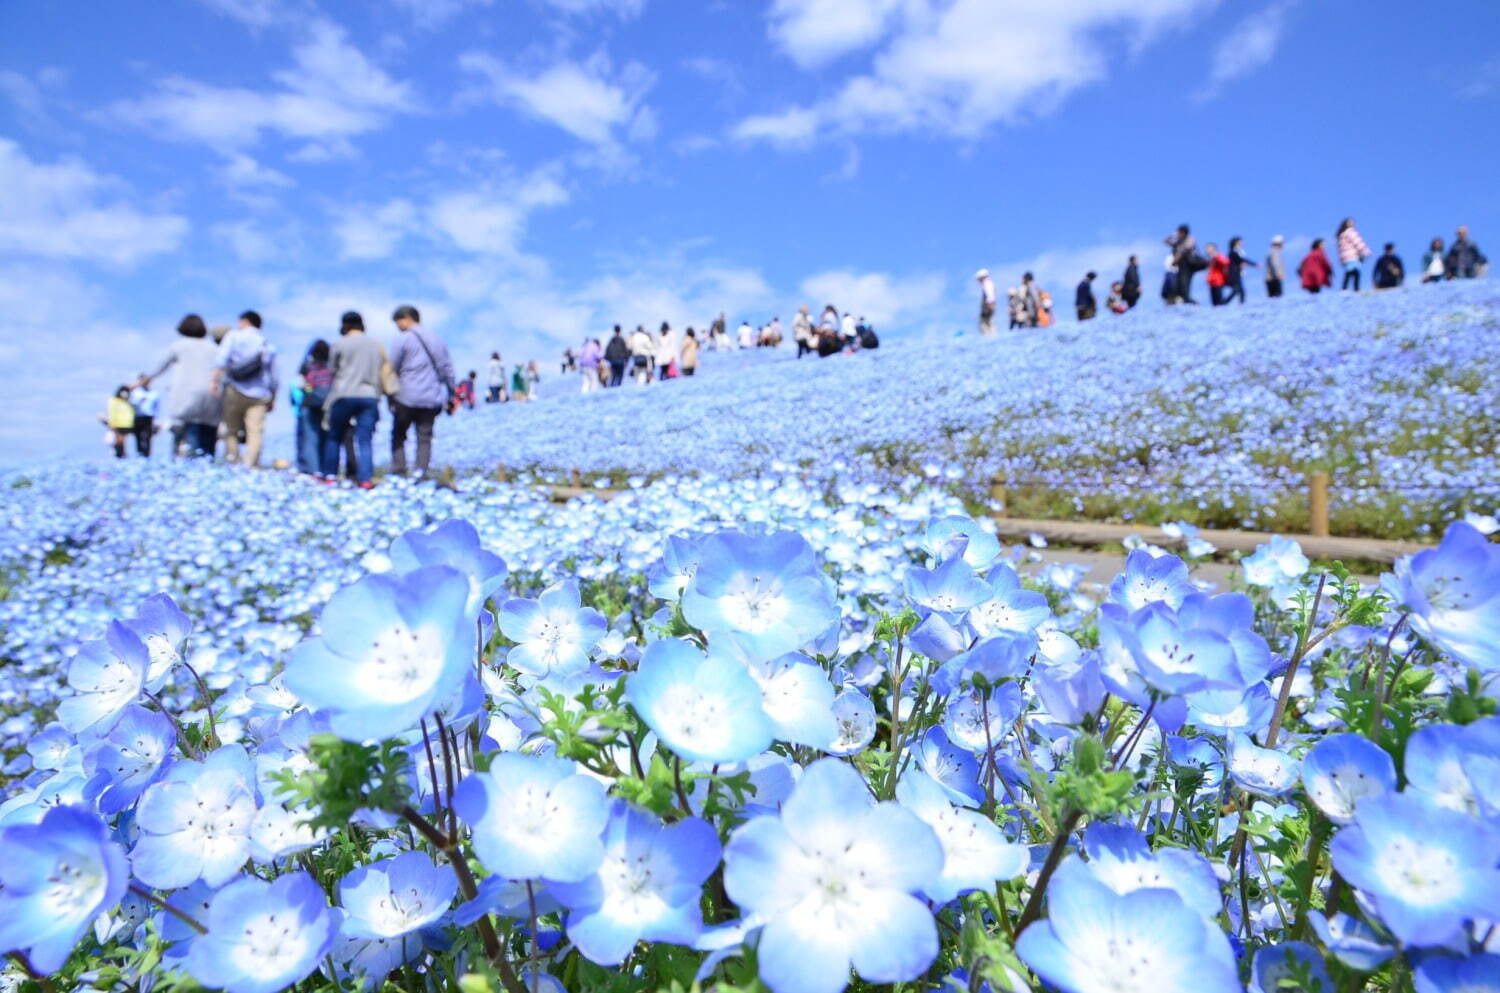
x=500, y=474
x=577, y=479
x=1317, y=503
x=997, y=494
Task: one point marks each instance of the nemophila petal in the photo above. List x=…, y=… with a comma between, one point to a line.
x=1351, y=941
x=953, y=767
x=53, y=747
x=129, y=757
x=392, y=649
x=262, y=936
x=1447, y=974
x=1427, y=869
x=979, y=721
x=1070, y=691
x=162, y=628
x=1177, y=659
x=107, y=675
x=1452, y=593
x=1341, y=770
x=975, y=853
x=1010, y=609
x=1292, y=964
x=1005, y=655
x=1438, y=761
x=1147, y=580
x=679, y=560
x=980, y=547
x=1120, y=858
x=937, y=639
x=951, y=588
x=647, y=888
x=195, y=823
x=798, y=953
x=453, y=543
x=56, y=877
x=1223, y=710
x=1264, y=771
x=766, y=590
x=534, y=818
x=554, y=634
x=1275, y=562
x=894, y=940
x=395, y=896
x=798, y=699
x=706, y=709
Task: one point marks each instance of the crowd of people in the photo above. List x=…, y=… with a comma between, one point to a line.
x=1031, y=306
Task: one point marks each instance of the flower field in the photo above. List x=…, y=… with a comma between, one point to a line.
x=783, y=715
x=1209, y=415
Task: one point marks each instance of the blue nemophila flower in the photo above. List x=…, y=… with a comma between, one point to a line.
x=56, y=877
x=1278, y=565
x=1175, y=658
x=107, y=675
x=1231, y=615
x=1446, y=974
x=1264, y=771
x=1120, y=858
x=1095, y=940
x=1070, y=690
x=962, y=535
x=937, y=639
x=162, y=627
x=766, y=591
x=554, y=634
x=975, y=853
x=951, y=588
x=1341, y=770
x=1453, y=595
x=129, y=758
x=263, y=937
x=195, y=822
x=953, y=767
x=1221, y=711
x=534, y=818
x=854, y=717
x=53, y=748
x=979, y=720
x=798, y=699
x=385, y=903
x=1001, y=656
x=1010, y=608
x=647, y=887
x=706, y=709
x=1427, y=869
x=1456, y=767
x=1147, y=580
x=391, y=649
x=669, y=576
x=1292, y=964
x=1351, y=941
x=456, y=544
x=834, y=878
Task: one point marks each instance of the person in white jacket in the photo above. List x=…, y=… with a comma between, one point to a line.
x=641, y=350
x=666, y=350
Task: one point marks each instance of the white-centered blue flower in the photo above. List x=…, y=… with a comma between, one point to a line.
x=195, y=822
x=834, y=877
x=385, y=904
x=975, y=853
x=1452, y=594
x=107, y=675
x=534, y=818
x=129, y=758
x=1264, y=771
x=704, y=708
x=263, y=937
x=1343, y=769
x=554, y=634
x=767, y=591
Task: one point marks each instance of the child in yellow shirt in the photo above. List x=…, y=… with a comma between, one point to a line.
x=119, y=417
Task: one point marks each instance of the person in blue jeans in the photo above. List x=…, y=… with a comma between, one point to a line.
x=354, y=398
x=317, y=383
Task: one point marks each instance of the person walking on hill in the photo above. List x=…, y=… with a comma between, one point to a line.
x=802, y=331
x=1218, y=274
x=617, y=354
x=589, y=358
x=666, y=353
x=1434, y=262
x=424, y=371
x=355, y=362
x=194, y=405
x=317, y=383
x=1130, y=283
x=1316, y=271
x=1237, y=262
x=494, y=378
x=147, y=404
x=1170, y=284
x=690, y=353
x=641, y=349
x=1275, y=268
x=1031, y=300
x=1083, y=298
x=245, y=372
x=1388, y=273
x=1186, y=259
x=987, y=302
x=119, y=417
x=1352, y=252
x=1465, y=260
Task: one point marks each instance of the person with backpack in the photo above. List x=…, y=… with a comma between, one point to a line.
x=1352, y=252
x=867, y=336
x=1187, y=261
x=359, y=367
x=194, y=408
x=617, y=354
x=317, y=381
x=641, y=350
x=245, y=373
x=427, y=385
x=1316, y=271
x=1388, y=273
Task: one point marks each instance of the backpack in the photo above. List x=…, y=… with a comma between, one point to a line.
x=868, y=338
x=247, y=369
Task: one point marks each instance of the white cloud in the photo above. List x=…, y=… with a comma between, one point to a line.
x=893, y=301
x=1248, y=46
x=367, y=231
x=249, y=242
x=330, y=93
x=254, y=14
x=589, y=100
x=66, y=211
x=432, y=14
x=958, y=67
x=813, y=32
x=243, y=172
x=619, y=8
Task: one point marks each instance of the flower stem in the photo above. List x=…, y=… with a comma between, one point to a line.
x=1054, y=857
x=181, y=915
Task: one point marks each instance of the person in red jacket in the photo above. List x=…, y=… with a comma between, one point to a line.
x=1316, y=271
x=1218, y=274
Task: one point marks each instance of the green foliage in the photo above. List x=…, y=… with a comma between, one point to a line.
x=344, y=778
x=1087, y=783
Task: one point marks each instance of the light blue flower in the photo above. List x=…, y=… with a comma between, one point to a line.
x=1231, y=615
x=1456, y=767
x=554, y=634
x=854, y=718
x=534, y=818
x=129, y=758
x=1263, y=771
x=1120, y=858
x=1147, y=580
x=162, y=627
x=453, y=543
x=975, y=853
x=107, y=675
x=263, y=937
x=1095, y=940
x=1006, y=655
x=950, y=589
x=1446, y=974
x=1223, y=710
x=952, y=767
x=392, y=649
x=1277, y=564
x=1174, y=658
x=978, y=720
x=55, y=878
x=962, y=535
x=706, y=709
x=1070, y=690
x=195, y=822
x=1293, y=963
x=834, y=878
x=1341, y=770
x=1010, y=608
x=647, y=888
x=1427, y=869
x=798, y=700
x=1352, y=941
x=385, y=904
x=667, y=578
x=766, y=591
x=1452, y=594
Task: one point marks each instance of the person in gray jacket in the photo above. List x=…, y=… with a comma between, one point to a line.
x=425, y=372
x=194, y=407
x=354, y=398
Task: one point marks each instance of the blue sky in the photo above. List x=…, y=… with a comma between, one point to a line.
x=527, y=171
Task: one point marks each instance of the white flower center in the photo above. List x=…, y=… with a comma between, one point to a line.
x=271, y=944
x=1423, y=874
x=689, y=714
x=72, y=890
x=755, y=604
x=403, y=663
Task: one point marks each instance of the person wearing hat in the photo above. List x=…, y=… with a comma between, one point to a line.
x=986, y=302
x=194, y=408
x=354, y=398
x=425, y=370
x=1275, y=267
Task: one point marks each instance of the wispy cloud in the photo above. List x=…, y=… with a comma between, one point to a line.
x=1248, y=46
x=590, y=99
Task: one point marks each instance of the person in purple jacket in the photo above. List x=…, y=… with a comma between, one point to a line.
x=425, y=372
